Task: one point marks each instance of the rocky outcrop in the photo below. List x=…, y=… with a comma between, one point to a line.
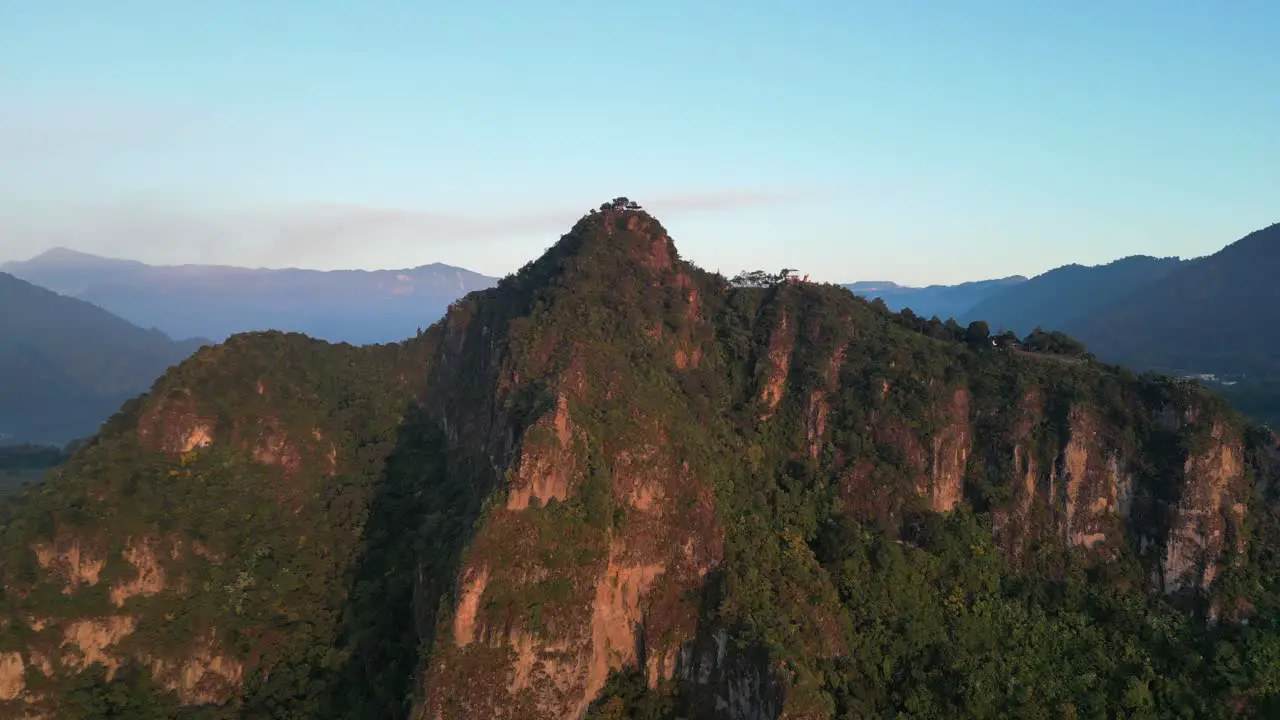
x=949, y=458
x=149, y=577
x=90, y=641
x=1210, y=514
x=777, y=365
x=628, y=608
x=205, y=675
x=548, y=466
x=173, y=425
x=70, y=563
x=12, y=675
x=1095, y=490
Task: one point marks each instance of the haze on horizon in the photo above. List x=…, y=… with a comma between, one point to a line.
x=849, y=140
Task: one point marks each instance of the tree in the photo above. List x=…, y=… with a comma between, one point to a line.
x=760, y=278
x=978, y=332
x=620, y=203
x=1055, y=342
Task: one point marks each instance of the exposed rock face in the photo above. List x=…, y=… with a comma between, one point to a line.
x=625, y=608
x=70, y=563
x=1210, y=513
x=149, y=578
x=206, y=676
x=173, y=425
x=12, y=675
x=86, y=642
x=1090, y=497
x=466, y=616
x=950, y=455
x=547, y=473
x=1090, y=477
x=778, y=365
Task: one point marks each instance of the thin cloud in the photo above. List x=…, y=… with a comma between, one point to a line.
x=329, y=235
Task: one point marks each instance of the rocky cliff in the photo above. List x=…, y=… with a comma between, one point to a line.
x=616, y=484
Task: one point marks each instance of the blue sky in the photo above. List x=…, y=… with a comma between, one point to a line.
x=915, y=141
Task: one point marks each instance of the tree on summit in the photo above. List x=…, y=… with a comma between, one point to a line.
x=760, y=278
x=620, y=203
x=978, y=333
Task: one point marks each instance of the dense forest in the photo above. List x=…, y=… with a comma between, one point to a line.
x=618, y=486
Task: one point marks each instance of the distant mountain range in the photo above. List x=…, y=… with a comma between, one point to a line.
x=1214, y=314
x=66, y=365
x=1064, y=298
x=1204, y=315
x=214, y=301
x=945, y=301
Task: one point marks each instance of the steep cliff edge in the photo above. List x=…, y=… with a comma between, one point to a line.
x=616, y=486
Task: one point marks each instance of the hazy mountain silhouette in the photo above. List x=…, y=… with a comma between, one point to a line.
x=66, y=365
x=1213, y=314
x=945, y=301
x=215, y=301
x=1061, y=298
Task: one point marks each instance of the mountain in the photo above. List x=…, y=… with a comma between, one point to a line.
x=66, y=365
x=1210, y=315
x=214, y=301
x=618, y=486
x=943, y=301
x=1062, y=299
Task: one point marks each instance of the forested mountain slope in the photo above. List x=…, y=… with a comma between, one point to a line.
x=1064, y=298
x=1209, y=315
x=616, y=486
x=66, y=365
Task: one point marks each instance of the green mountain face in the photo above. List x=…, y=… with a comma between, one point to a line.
x=66, y=365
x=615, y=486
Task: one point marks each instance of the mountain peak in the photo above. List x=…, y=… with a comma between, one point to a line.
x=626, y=220
x=67, y=257
x=618, y=238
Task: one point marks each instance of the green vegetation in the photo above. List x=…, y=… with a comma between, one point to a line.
x=1055, y=342
x=282, y=562
x=798, y=438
